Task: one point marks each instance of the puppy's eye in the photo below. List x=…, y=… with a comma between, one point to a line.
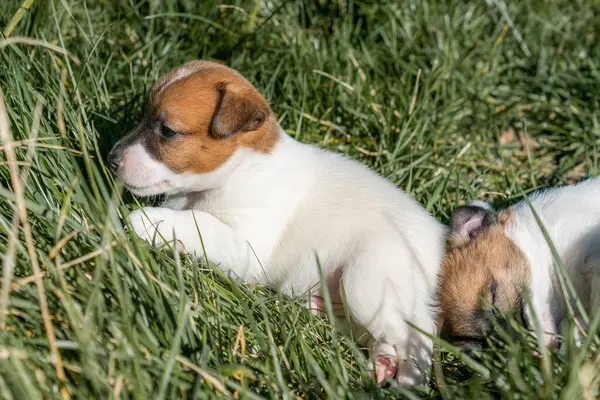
x=168, y=132
x=523, y=312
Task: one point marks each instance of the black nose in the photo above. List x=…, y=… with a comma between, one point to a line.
x=114, y=161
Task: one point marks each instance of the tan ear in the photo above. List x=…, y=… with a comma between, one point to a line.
x=238, y=112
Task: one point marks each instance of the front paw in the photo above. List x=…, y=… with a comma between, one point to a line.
x=152, y=224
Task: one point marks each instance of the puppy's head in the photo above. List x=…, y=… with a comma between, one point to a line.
x=198, y=116
x=483, y=277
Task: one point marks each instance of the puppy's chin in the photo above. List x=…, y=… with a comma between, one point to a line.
x=155, y=189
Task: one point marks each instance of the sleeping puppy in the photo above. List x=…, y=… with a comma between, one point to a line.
x=495, y=258
x=267, y=209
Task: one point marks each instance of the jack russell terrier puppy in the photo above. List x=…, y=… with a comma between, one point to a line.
x=494, y=258
x=273, y=211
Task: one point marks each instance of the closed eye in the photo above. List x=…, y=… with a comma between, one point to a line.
x=168, y=132
x=465, y=339
x=522, y=313
x=468, y=344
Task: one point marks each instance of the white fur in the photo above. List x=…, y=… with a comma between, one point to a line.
x=571, y=216
x=267, y=218
x=144, y=176
x=179, y=74
x=481, y=204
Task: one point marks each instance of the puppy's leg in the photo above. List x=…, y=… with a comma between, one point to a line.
x=595, y=295
x=195, y=232
x=385, y=288
x=592, y=273
x=316, y=305
x=540, y=308
x=592, y=270
x=587, y=286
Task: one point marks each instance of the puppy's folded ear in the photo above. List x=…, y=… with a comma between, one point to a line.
x=238, y=112
x=470, y=220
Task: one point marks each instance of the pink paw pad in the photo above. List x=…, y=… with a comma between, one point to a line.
x=385, y=366
x=317, y=306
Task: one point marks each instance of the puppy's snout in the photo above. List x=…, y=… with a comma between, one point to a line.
x=115, y=159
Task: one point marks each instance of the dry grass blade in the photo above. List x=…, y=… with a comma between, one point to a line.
x=9, y=256
x=333, y=78
x=209, y=378
x=17, y=17
x=36, y=42
x=54, y=147
x=62, y=267
x=62, y=242
x=362, y=74
x=8, y=264
x=415, y=93
x=240, y=340
x=323, y=122
x=60, y=103
x=6, y=136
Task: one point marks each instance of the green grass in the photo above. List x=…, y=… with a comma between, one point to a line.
x=450, y=100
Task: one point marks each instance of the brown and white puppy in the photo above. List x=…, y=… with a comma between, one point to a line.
x=194, y=115
x=494, y=259
x=268, y=207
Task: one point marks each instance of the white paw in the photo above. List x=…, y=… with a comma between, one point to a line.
x=153, y=224
x=390, y=368
x=409, y=374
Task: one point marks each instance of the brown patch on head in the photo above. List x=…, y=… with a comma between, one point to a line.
x=201, y=113
x=483, y=270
